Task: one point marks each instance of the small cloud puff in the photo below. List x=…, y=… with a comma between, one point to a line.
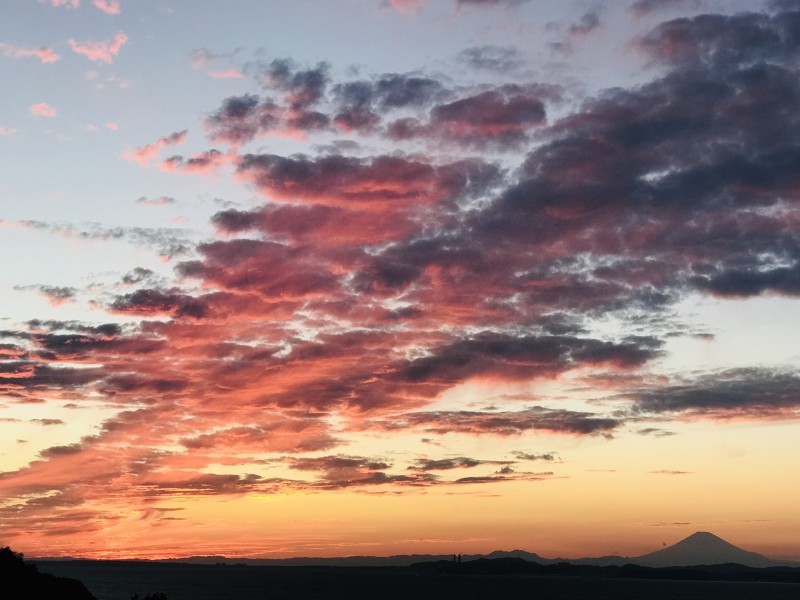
x=42, y=109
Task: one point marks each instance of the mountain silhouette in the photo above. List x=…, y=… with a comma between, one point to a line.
x=702, y=548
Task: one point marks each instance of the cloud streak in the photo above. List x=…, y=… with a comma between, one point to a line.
x=44, y=53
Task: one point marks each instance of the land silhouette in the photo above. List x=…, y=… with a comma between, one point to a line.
x=20, y=580
x=700, y=548
x=700, y=566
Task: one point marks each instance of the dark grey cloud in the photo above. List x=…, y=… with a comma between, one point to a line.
x=396, y=90
x=355, y=111
x=495, y=59
x=642, y=8
x=753, y=392
x=656, y=432
x=504, y=423
x=752, y=281
x=149, y=302
x=784, y=5
x=168, y=242
x=137, y=275
x=725, y=41
x=16, y=376
x=105, y=330
x=47, y=422
x=242, y=118
x=587, y=24
x=55, y=294
x=446, y=464
x=302, y=87
x=202, y=485
x=61, y=450
x=340, y=461
x=545, y=456
x=504, y=117
x=511, y=357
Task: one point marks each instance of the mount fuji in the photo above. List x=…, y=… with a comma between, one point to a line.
x=702, y=548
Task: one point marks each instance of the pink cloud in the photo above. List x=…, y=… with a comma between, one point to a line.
x=101, y=51
x=43, y=53
x=110, y=7
x=6, y=131
x=67, y=3
x=144, y=154
x=229, y=74
x=406, y=6
x=42, y=109
x=112, y=126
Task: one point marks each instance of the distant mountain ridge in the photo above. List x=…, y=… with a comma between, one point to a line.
x=700, y=548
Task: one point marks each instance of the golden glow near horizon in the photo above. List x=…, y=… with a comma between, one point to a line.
x=523, y=275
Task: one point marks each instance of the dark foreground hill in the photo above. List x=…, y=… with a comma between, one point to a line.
x=21, y=581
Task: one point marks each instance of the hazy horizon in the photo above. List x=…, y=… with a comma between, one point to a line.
x=385, y=277
x=531, y=551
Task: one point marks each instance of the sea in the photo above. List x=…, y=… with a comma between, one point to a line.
x=121, y=580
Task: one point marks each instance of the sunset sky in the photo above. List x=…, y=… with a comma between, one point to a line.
x=330, y=278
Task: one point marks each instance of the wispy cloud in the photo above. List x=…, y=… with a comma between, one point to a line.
x=44, y=53
x=144, y=154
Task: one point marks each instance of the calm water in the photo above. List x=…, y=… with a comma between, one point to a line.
x=119, y=581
